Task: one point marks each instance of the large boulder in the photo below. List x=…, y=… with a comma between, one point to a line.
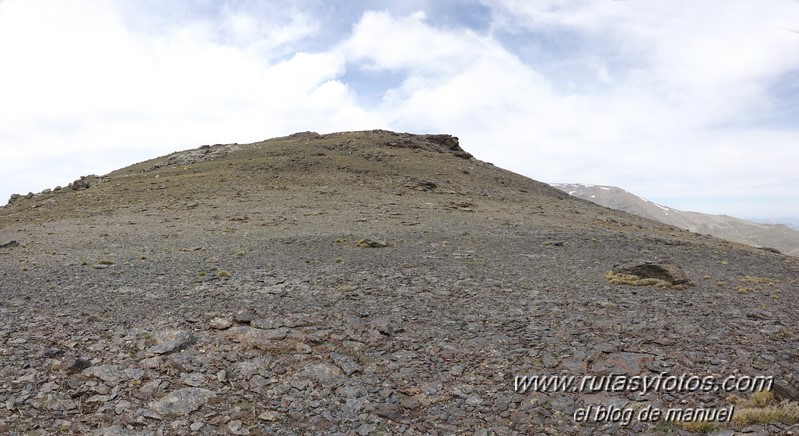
x=14, y=198
x=85, y=182
x=665, y=271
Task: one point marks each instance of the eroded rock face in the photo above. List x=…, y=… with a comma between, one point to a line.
x=194, y=156
x=437, y=143
x=666, y=271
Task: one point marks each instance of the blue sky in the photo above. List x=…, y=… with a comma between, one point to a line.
x=690, y=104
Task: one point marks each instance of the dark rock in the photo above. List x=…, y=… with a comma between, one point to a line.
x=370, y=243
x=760, y=314
x=107, y=373
x=30, y=195
x=52, y=352
x=787, y=389
x=655, y=270
x=323, y=372
x=389, y=411
x=427, y=185
x=14, y=197
x=244, y=316
x=304, y=135
x=448, y=141
x=622, y=363
x=10, y=244
x=346, y=363
x=85, y=182
x=170, y=341
x=79, y=365
x=772, y=250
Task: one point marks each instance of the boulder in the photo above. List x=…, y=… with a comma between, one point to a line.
x=9, y=244
x=85, y=182
x=665, y=271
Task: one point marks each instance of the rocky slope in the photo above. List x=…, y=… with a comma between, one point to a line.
x=365, y=283
x=777, y=236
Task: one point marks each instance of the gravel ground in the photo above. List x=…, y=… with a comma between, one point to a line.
x=354, y=297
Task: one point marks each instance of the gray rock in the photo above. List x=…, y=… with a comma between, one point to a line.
x=245, y=316
x=321, y=372
x=194, y=379
x=346, y=363
x=107, y=373
x=79, y=365
x=622, y=363
x=269, y=416
x=170, y=341
x=219, y=323
x=370, y=243
x=267, y=324
x=10, y=244
x=56, y=402
x=115, y=430
x=182, y=401
x=85, y=182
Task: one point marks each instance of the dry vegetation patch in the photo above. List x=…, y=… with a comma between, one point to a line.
x=763, y=408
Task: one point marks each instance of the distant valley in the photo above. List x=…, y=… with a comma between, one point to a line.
x=760, y=234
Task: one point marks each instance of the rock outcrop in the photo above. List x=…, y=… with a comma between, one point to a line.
x=665, y=271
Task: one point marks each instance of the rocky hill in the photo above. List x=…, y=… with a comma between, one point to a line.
x=774, y=236
x=372, y=283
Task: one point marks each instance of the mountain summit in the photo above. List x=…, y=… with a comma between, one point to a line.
x=367, y=283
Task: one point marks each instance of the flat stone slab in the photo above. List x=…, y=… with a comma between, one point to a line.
x=182, y=401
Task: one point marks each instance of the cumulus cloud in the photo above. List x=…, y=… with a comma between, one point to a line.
x=92, y=90
x=688, y=103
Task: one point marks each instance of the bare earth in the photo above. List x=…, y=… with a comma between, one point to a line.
x=362, y=283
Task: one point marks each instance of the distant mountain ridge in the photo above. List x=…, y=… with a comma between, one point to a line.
x=778, y=236
x=791, y=223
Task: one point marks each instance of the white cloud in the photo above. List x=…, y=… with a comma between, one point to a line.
x=85, y=86
x=677, y=99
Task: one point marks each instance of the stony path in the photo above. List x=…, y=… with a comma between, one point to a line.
x=396, y=340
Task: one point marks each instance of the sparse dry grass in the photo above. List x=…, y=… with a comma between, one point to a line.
x=752, y=284
x=697, y=426
x=762, y=408
x=633, y=280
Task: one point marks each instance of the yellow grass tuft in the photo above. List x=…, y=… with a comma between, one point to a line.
x=762, y=408
x=633, y=280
